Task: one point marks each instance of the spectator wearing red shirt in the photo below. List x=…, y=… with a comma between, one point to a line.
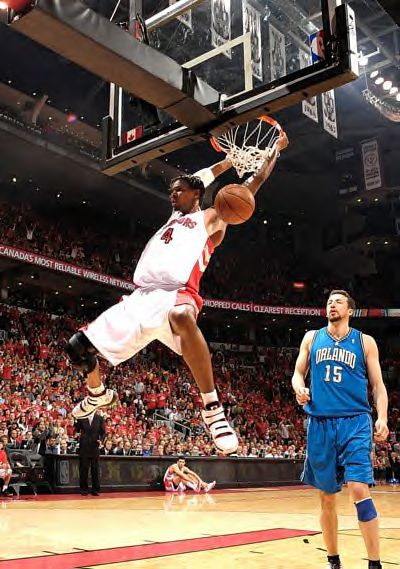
x=261, y=427
x=7, y=371
x=70, y=429
x=151, y=401
x=5, y=470
x=43, y=352
x=161, y=400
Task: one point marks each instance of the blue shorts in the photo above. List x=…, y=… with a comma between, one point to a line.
x=338, y=450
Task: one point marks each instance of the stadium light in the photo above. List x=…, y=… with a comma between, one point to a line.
x=393, y=90
x=374, y=74
x=379, y=81
x=387, y=85
x=398, y=97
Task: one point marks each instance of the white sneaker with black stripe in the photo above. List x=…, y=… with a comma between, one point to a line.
x=92, y=403
x=224, y=437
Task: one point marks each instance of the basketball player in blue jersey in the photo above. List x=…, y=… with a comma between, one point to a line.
x=341, y=361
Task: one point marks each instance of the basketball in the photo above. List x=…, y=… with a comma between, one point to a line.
x=17, y=5
x=234, y=204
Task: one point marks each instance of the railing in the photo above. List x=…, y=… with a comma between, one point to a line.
x=182, y=429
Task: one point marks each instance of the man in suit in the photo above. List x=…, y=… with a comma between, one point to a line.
x=107, y=448
x=13, y=442
x=92, y=431
x=126, y=450
x=28, y=443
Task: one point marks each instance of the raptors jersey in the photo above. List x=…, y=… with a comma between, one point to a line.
x=339, y=384
x=169, y=474
x=177, y=255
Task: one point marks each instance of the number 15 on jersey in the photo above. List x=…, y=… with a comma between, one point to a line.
x=333, y=373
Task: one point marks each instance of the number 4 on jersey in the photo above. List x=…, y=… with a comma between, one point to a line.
x=167, y=235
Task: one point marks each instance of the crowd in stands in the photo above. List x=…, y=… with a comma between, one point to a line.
x=113, y=247
x=64, y=237
x=159, y=407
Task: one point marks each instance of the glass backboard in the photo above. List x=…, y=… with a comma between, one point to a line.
x=236, y=45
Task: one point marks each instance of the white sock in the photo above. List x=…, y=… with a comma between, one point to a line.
x=97, y=390
x=191, y=485
x=210, y=397
x=5, y=487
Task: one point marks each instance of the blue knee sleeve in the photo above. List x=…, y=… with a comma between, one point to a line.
x=366, y=510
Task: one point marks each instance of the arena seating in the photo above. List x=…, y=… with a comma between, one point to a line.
x=117, y=249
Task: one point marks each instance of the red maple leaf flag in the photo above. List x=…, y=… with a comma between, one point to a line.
x=131, y=135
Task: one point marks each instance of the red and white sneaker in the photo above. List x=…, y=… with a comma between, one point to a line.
x=224, y=437
x=92, y=403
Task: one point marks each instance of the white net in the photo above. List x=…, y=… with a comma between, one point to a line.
x=250, y=145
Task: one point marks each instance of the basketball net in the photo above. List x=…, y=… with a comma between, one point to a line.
x=250, y=145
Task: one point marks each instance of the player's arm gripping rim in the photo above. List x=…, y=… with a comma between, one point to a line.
x=301, y=369
x=253, y=183
x=378, y=387
x=208, y=175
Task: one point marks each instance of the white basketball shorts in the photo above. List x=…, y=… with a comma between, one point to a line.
x=127, y=327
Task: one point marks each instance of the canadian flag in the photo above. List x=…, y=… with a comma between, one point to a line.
x=131, y=135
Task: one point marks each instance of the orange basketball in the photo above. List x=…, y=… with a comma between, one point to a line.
x=17, y=5
x=234, y=204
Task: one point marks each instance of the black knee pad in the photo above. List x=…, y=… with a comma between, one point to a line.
x=81, y=352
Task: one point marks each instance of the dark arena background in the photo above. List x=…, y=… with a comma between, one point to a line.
x=102, y=104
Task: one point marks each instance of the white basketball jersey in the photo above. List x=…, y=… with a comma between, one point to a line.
x=169, y=475
x=177, y=255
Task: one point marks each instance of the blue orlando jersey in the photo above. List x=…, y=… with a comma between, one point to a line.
x=339, y=383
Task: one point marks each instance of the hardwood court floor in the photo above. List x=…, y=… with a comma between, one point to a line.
x=249, y=529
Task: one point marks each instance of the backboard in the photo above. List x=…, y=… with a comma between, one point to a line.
x=259, y=55
x=198, y=67
x=238, y=45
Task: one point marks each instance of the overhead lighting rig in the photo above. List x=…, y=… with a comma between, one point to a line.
x=383, y=94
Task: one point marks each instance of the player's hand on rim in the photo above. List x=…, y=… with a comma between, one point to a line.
x=381, y=430
x=302, y=395
x=283, y=142
x=274, y=152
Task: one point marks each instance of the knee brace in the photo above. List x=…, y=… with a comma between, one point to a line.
x=82, y=353
x=366, y=510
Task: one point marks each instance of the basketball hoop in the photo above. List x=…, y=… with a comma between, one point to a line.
x=251, y=144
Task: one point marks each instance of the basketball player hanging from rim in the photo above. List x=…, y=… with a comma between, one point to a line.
x=166, y=302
